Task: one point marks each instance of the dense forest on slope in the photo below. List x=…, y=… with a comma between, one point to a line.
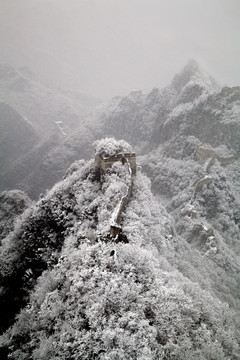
x=13, y=203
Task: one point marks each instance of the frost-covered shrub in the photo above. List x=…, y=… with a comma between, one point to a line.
x=110, y=146
x=76, y=166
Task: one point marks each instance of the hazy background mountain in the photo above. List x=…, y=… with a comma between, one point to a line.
x=34, y=120
x=49, y=111
x=192, y=105
x=107, y=48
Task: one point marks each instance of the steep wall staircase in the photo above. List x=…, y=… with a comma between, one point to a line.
x=129, y=160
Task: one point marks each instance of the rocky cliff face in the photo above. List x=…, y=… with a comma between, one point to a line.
x=196, y=154
x=192, y=105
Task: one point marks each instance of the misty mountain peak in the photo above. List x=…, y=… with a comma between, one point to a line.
x=193, y=75
x=7, y=72
x=28, y=73
x=192, y=65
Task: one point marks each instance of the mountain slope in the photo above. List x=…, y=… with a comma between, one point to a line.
x=17, y=136
x=48, y=111
x=48, y=118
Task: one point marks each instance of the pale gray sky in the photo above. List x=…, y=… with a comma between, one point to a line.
x=109, y=47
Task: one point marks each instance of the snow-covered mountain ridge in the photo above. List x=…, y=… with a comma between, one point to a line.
x=81, y=295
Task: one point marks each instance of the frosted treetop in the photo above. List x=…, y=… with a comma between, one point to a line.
x=110, y=146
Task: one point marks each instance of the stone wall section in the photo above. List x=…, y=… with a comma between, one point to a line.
x=204, y=153
x=104, y=163
x=115, y=228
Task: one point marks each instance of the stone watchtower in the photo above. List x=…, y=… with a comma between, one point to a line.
x=104, y=162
